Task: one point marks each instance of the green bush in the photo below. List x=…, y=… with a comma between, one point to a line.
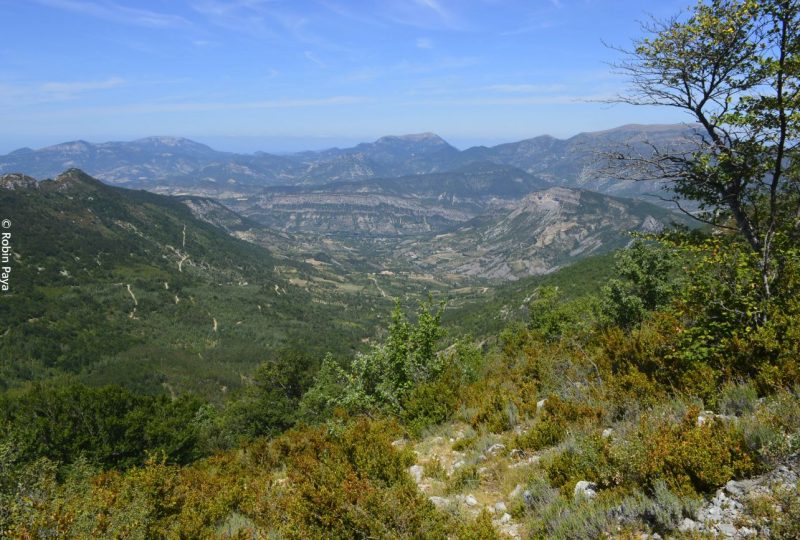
x=430, y=404
x=586, y=458
x=552, y=424
x=772, y=432
x=648, y=279
x=110, y=426
x=737, y=399
x=688, y=457
x=463, y=478
x=780, y=510
x=661, y=510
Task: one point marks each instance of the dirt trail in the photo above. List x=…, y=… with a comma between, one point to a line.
x=132, y=314
x=375, y=281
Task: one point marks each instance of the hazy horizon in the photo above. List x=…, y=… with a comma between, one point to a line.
x=279, y=145
x=283, y=76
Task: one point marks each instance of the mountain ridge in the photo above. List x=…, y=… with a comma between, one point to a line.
x=176, y=165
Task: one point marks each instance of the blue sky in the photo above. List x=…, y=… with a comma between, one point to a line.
x=279, y=76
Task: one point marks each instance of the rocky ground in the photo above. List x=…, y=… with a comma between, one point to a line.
x=484, y=474
x=745, y=508
x=490, y=477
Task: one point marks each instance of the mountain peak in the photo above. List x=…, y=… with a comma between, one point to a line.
x=17, y=181
x=74, y=179
x=641, y=129
x=71, y=147
x=166, y=141
x=427, y=137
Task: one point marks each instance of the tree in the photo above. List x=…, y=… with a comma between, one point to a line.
x=270, y=405
x=381, y=379
x=647, y=281
x=733, y=66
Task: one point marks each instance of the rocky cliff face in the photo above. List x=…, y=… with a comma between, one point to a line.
x=17, y=181
x=391, y=206
x=367, y=214
x=536, y=235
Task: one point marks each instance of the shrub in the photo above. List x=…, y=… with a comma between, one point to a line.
x=630, y=392
x=586, y=458
x=463, y=478
x=110, y=426
x=565, y=519
x=539, y=493
x=661, y=510
x=494, y=402
x=780, y=509
x=465, y=443
x=434, y=469
x=552, y=319
x=738, y=399
x=383, y=378
x=343, y=481
x=429, y=404
x=482, y=529
x=551, y=425
x=648, y=279
x=688, y=457
x=773, y=432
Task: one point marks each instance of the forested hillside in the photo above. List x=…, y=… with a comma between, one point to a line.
x=127, y=287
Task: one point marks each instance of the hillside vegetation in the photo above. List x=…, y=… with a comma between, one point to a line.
x=127, y=287
x=652, y=392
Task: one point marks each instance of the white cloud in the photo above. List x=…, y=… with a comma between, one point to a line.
x=564, y=99
x=111, y=11
x=80, y=86
x=311, y=57
x=187, y=106
x=526, y=88
x=424, y=43
x=20, y=94
x=437, y=8
x=266, y=20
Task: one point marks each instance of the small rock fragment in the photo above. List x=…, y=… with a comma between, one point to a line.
x=527, y=498
x=495, y=449
x=439, y=502
x=416, y=472
x=585, y=489
x=516, y=453
x=726, y=529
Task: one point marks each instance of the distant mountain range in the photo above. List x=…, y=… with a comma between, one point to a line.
x=412, y=203
x=181, y=166
x=490, y=221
